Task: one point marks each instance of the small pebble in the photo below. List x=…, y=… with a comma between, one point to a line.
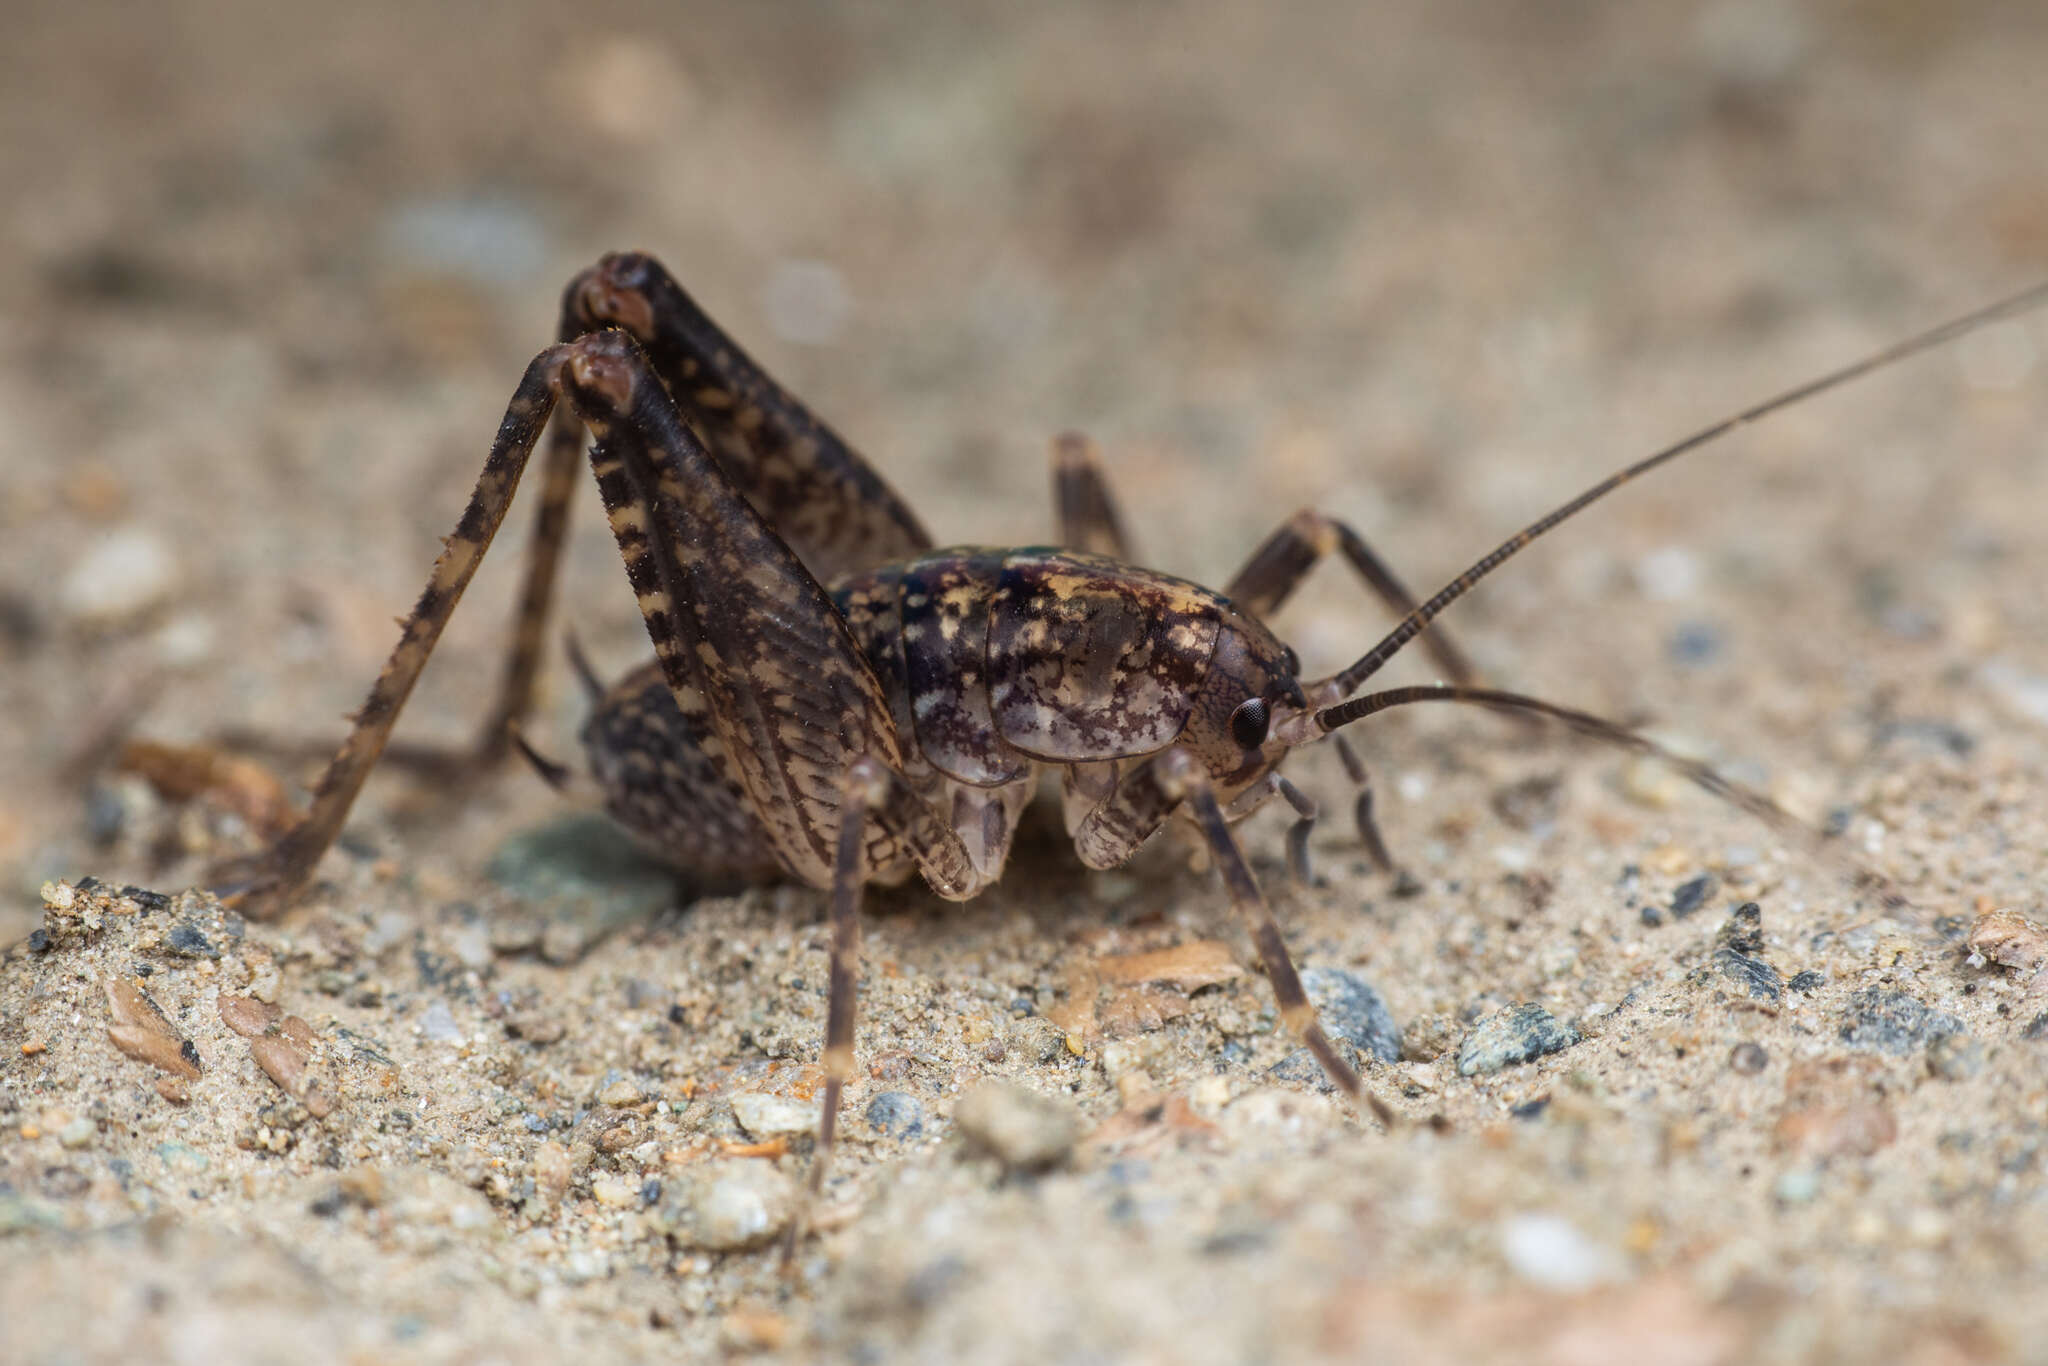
x=126, y=574
x=1352, y=1010
x=1748, y=1058
x=765, y=1116
x=1797, y=1185
x=553, y=1169
x=182, y=1157
x=2010, y=940
x=78, y=1133
x=1955, y=1057
x=1021, y=1129
x=1690, y=896
x=896, y=1114
x=1807, y=981
x=1513, y=1034
x=536, y=1027
x=1037, y=1039
x=619, y=1092
x=1651, y=784
x=1549, y=1251
x=437, y=1023
x=1759, y=978
x=1429, y=1037
x=726, y=1206
x=140, y=1029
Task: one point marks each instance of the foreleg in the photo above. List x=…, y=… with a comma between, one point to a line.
x=1183, y=778
x=1278, y=567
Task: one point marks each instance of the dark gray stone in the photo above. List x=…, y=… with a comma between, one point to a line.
x=1356, y=1019
x=587, y=877
x=1352, y=1010
x=896, y=1114
x=1738, y=954
x=1301, y=1067
x=1887, y=1021
x=189, y=940
x=1690, y=896
x=1513, y=1034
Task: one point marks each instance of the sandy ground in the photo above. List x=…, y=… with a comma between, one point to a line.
x=1430, y=268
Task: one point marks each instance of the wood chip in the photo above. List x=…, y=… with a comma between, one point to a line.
x=142, y=1031
x=283, y=1046
x=1191, y=966
x=183, y=773
x=1118, y=995
x=1834, y=1107
x=248, y=1016
x=281, y=1061
x=2010, y=940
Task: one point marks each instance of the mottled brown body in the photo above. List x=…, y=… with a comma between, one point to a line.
x=897, y=720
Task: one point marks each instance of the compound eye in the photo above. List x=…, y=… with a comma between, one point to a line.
x=1249, y=722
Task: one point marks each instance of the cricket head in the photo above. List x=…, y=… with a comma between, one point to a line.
x=1245, y=717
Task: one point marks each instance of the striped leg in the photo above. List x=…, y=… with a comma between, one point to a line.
x=1182, y=777
x=263, y=885
x=561, y=469
x=867, y=788
x=748, y=639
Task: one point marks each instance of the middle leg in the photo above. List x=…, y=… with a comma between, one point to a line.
x=1181, y=777
x=1270, y=577
x=1087, y=512
x=1285, y=558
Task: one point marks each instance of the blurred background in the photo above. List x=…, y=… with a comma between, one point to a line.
x=269, y=274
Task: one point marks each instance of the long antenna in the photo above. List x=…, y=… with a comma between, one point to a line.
x=1411, y=626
